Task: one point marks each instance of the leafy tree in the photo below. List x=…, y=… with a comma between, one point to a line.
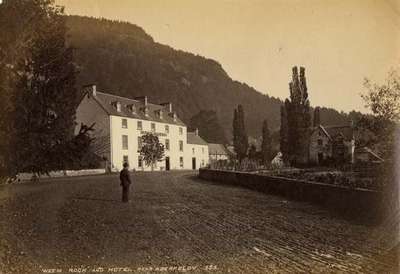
x=40, y=89
x=152, y=150
x=266, y=145
x=298, y=119
x=384, y=102
x=206, y=121
x=240, y=138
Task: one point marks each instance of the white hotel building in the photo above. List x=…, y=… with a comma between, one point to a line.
x=120, y=122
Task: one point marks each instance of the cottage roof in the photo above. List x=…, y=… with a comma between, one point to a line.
x=194, y=139
x=217, y=149
x=345, y=131
x=107, y=102
x=333, y=132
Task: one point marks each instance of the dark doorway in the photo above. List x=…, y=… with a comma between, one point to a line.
x=166, y=163
x=193, y=163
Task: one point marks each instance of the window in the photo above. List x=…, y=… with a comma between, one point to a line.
x=180, y=131
x=181, y=161
x=139, y=125
x=319, y=142
x=193, y=150
x=132, y=108
x=202, y=162
x=166, y=129
x=124, y=141
x=180, y=145
x=140, y=161
x=126, y=159
x=124, y=123
x=166, y=144
x=153, y=127
x=140, y=143
x=202, y=150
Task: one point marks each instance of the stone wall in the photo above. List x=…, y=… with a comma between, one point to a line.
x=355, y=204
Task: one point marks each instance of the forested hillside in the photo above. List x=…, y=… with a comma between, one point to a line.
x=122, y=59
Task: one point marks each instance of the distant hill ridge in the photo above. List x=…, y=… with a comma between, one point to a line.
x=122, y=59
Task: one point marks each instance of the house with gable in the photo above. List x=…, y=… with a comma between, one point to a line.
x=331, y=143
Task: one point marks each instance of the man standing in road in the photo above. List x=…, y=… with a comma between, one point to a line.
x=125, y=179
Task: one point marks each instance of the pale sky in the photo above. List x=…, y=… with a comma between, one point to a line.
x=339, y=42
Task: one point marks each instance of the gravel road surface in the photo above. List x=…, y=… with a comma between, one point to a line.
x=175, y=223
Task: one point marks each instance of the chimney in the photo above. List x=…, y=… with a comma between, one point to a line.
x=196, y=132
x=167, y=105
x=90, y=89
x=146, y=111
x=142, y=99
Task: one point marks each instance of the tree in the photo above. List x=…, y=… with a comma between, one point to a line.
x=253, y=152
x=384, y=102
x=240, y=138
x=284, y=134
x=297, y=114
x=41, y=95
x=317, y=118
x=152, y=150
x=206, y=121
x=266, y=145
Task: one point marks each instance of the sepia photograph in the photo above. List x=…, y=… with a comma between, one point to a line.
x=199, y=136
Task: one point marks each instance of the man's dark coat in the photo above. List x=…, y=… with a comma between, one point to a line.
x=125, y=178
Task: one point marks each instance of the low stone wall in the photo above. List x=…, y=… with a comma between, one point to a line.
x=55, y=174
x=357, y=204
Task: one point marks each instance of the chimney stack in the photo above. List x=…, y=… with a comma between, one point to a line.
x=143, y=99
x=196, y=131
x=146, y=111
x=167, y=105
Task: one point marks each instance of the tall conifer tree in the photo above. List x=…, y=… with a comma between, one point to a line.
x=317, y=118
x=266, y=143
x=240, y=138
x=298, y=119
x=284, y=133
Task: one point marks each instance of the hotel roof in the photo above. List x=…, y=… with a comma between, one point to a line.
x=108, y=103
x=194, y=139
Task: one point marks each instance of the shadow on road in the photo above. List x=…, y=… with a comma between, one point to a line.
x=96, y=199
x=197, y=179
